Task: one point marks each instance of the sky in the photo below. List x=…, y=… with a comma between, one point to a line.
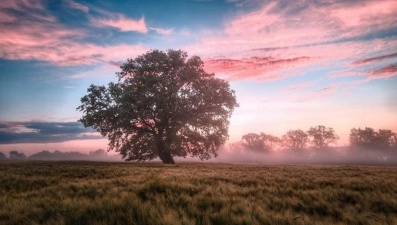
x=293, y=64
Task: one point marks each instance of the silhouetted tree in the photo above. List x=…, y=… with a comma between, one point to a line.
x=295, y=140
x=322, y=136
x=3, y=156
x=163, y=105
x=370, y=139
x=259, y=142
x=99, y=152
x=387, y=139
x=270, y=142
x=253, y=142
x=17, y=155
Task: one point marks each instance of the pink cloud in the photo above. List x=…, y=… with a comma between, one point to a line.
x=375, y=59
x=78, y=6
x=320, y=31
x=123, y=24
x=364, y=14
x=385, y=71
x=28, y=9
x=251, y=68
x=35, y=38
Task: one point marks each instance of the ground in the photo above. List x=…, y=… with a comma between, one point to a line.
x=37, y=192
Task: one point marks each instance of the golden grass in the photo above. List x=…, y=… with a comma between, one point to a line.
x=33, y=192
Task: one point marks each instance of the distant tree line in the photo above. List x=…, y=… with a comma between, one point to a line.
x=320, y=138
x=99, y=154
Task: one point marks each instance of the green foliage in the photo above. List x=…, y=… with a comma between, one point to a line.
x=71, y=193
x=164, y=105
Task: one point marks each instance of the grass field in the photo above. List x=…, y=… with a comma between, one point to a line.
x=35, y=192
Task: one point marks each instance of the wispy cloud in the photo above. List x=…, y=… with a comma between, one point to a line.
x=43, y=132
x=78, y=6
x=123, y=24
x=184, y=32
x=162, y=31
x=252, y=67
x=320, y=93
x=374, y=59
x=300, y=86
x=387, y=71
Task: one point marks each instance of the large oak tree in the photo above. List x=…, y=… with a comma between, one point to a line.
x=163, y=105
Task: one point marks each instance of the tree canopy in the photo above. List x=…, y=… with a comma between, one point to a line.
x=295, y=140
x=369, y=138
x=99, y=152
x=163, y=105
x=260, y=142
x=322, y=136
x=17, y=155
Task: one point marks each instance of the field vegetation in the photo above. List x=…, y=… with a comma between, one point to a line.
x=39, y=192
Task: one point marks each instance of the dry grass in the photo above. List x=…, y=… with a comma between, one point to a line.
x=195, y=193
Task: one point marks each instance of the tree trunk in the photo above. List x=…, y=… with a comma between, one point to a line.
x=166, y=157
x=164, y=153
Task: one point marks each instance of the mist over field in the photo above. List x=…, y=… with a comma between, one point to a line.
x=327, y=157
x=334, y=156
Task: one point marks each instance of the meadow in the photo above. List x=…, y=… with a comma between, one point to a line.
x=76, y=192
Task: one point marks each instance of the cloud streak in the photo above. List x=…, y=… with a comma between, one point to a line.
x=320, y=93
x=375, y=59
x=387, y=71
x=252, y=67
x=44, y=132
x=123, y=24
x=162, y=31
x=78, y=6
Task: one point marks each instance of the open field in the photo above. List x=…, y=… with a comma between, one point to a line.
x=36, y=192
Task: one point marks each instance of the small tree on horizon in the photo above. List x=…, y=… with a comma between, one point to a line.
x=99, y=152
x=295, y=140
x=322, y=136
x=17, y=155
x=263, y=143
x=163, y=105
x=253, y=142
